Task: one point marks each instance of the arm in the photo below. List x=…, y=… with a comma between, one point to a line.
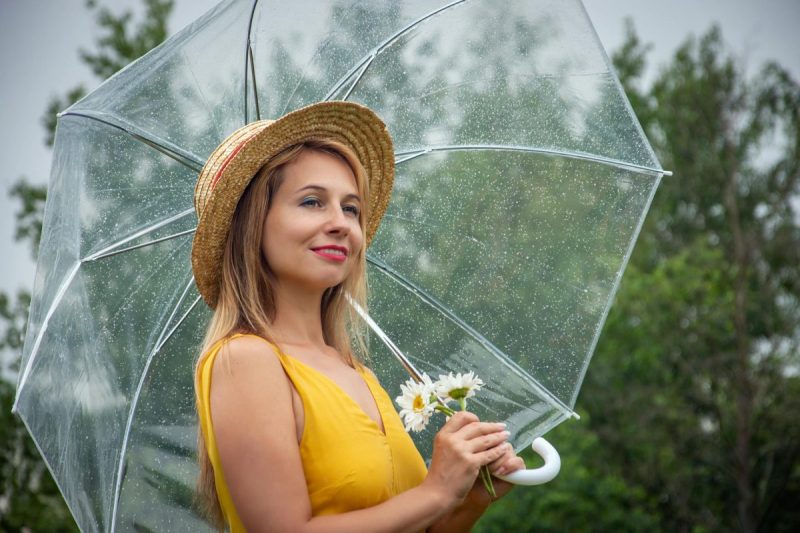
x=251, y=405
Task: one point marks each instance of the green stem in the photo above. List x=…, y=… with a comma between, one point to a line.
x=486, y=476
x=444, y=409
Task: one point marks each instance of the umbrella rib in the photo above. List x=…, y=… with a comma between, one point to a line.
x=187, y=159
x=62, y=290
x=402, y=157
x=469, y=330
x=379, y=48
x=412, y=370
x=172, y=331
x=396, y=351
x=109, y=250
x=358, y=78
x=255, y=86
x=135, y=400
x=95, y=257
x=248, y=56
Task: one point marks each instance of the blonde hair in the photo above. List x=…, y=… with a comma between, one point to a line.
x=246, y=301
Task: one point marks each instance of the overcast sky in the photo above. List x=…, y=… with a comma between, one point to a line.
x=39, y=42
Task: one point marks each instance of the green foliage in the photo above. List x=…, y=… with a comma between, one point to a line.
x=703, y=338
x=649, y=391
x=14, y=314
x=629, y=63
x=31, y=213
x=29, y=499
x=121, y=43
x=56, y=105
x=588, y=494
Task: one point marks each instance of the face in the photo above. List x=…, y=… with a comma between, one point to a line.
x=312, y=236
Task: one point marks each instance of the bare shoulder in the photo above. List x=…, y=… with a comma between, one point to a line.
x=249, y=385
x=244, y=355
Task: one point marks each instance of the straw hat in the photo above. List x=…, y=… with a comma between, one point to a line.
x=235, y=162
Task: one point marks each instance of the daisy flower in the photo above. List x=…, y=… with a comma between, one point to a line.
x=458, y=387
x=417, y=403
x=420, y=399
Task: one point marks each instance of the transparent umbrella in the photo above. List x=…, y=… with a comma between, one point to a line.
x=522, y=181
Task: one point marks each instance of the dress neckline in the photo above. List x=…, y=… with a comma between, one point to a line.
x=359, y=370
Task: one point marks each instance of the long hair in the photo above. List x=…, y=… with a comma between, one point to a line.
x=246, y=302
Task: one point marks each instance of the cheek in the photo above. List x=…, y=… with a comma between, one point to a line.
x=269, y=237
x=357, y=237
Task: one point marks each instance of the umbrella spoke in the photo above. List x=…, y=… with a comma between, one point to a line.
x=167, y=148
x=180, y=321
x=111, y=249
x=249, y=66
x=255, y=85
x=142, y=245
x=164, y=335
x=471, y=332
x=402, y=157
x=62, y=290
x=398, y=353
x=364, y=62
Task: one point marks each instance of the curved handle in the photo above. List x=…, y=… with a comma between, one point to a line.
x=543, y=474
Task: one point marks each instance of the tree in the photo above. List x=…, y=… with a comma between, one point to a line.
x=28, y=496
x=707, y=320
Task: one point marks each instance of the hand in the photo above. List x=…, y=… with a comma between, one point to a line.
x=461, y=447
x=509, y=462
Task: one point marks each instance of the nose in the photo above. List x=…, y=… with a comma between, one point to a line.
x=338, y=223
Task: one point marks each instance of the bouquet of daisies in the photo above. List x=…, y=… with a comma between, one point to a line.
x=421, y=399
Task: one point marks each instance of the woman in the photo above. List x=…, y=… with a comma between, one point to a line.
x=296, y=434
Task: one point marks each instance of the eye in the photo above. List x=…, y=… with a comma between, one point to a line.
x=351, y=209
x=311, y=201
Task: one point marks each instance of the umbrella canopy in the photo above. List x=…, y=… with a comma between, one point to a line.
x=522, y=181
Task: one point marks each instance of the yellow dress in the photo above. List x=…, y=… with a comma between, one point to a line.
x=348, y=462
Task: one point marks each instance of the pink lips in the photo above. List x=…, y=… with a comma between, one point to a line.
x=332, y=253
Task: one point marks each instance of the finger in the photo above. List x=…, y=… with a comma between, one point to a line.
x=499, y=462
x=511, y=454
x=458, y=421
x=478, y=429
x=492, y=454
x=507, y=466
x=485, y=442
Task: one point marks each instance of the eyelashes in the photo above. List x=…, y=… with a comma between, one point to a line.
x=313, y=201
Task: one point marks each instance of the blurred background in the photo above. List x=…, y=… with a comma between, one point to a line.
x=689, y=412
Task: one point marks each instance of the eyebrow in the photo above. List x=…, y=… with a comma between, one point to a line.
x=351, y=196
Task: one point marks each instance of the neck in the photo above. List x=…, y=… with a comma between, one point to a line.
x=298, y=316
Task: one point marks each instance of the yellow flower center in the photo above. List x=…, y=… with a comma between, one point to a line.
x=419, y=403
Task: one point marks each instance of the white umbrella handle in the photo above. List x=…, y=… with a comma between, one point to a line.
x=543, y=474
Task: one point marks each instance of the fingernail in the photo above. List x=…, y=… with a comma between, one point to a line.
x=503, y=424
x=507, y=433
